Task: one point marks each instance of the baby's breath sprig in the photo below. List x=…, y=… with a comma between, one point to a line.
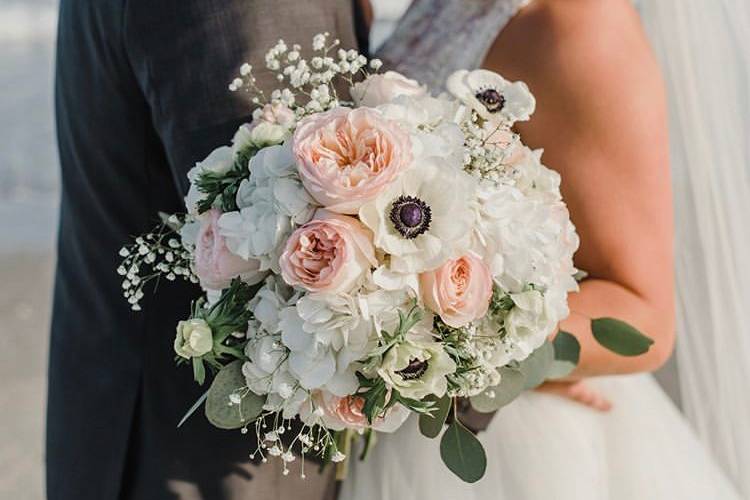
x=488, y=149
x=314, y=439
x=312, y=85
x=153, y=255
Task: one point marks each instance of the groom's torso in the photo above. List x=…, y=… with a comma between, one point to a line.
x=141, y=95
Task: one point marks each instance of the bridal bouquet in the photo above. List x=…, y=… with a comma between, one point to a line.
x=365, y=260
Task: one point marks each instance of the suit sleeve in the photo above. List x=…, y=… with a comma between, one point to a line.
x=186, y=52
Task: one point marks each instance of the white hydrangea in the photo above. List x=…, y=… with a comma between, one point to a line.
x=524, y=240
x=327, y=334
x=527, y=173
x=267, y=368
x=423, y=112
x=272, y=202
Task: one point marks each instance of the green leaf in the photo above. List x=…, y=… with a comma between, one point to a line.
x=199, y=371
x=462, y=452
x=567, y=354
x=536, y=366
x=619, y=337
x=192, y=409
x=375, y=400
x=218, y=410
x=431, y=425
x=510, y=387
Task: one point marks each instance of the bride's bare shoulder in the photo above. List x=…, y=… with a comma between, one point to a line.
x=574, y=40
x=554, y=27
x=582, y=59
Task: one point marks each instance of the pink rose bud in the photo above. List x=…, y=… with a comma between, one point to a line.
x=459, y=291
x=328, y=254
x=214, y=264
x=347, y=413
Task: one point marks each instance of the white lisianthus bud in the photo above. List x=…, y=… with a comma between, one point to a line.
x=194, y=338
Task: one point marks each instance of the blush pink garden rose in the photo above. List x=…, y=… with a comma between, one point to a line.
x=328, y=254
x=214, y=264
x=383, y=88
x=346, y=157
x=459, y=291
x=346, y=413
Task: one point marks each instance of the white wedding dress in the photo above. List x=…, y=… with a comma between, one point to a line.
x=540, y=446
x=544, y=447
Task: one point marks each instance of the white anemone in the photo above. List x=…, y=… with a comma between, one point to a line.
x=493, y=97
x=424, y=218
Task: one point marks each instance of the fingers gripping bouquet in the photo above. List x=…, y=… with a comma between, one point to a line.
x=365, y=260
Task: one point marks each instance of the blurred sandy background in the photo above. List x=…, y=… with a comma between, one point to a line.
x=28, y=199
x=29, y=185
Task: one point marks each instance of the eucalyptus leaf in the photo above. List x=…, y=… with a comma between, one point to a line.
x=462, y=452
x=510, y=386
x=620, y=337
x=567, y=354
x=218, y=409
x=431, y=425
x=536, y=367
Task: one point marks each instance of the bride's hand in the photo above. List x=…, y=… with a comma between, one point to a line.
x=577, y=391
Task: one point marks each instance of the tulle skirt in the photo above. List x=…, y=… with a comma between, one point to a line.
x=545, y=447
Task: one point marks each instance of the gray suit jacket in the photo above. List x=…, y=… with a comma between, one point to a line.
x=141, y=95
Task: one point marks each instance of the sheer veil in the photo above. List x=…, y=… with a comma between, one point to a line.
x=704, y=50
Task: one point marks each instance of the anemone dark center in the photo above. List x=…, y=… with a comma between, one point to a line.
x=414, y=370
x=410, y=216
x=491, y=99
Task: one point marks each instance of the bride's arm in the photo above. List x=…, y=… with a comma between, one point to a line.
x=601, y=120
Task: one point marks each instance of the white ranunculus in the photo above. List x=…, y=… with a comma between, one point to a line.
x=379, y=89
x=272, y=202
x=219, y=161
x=417, y=368
x=493, y=97
x=424, y=217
